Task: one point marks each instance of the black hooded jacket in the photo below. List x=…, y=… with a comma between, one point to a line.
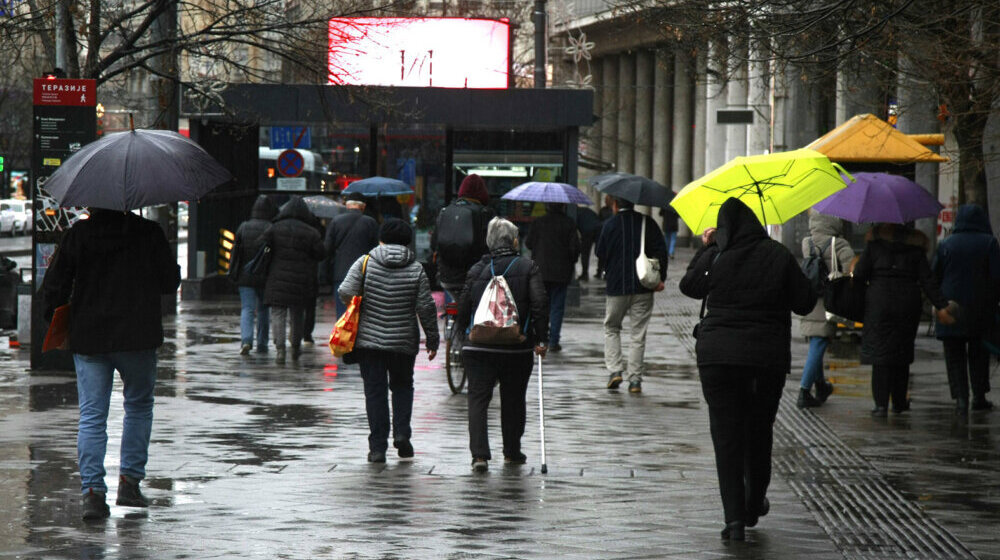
x=753, y=284
x=248, y=238
x=296, y=248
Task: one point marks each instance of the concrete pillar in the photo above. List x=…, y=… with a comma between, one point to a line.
x=609, y=110
x=683, y=120
x=918, y=115
x=643, y=113
x=736, y=134
x=700, y=109
x=594, y=132
x=759, y=95
x=716, y=94
x=663, y=113
x=626, y=112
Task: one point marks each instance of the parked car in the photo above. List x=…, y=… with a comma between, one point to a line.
x=23, y=218
x=8, y=217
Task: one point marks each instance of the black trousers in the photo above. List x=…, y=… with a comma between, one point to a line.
x=484, y=369
x=586, y=245
x=968, y=362
x=380, y=372
x=742, y=405
x=890, y=381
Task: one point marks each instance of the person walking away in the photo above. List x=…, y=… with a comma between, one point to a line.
x=823, y=230
x=742, y=273
x=395, y=295
x=296, y=247
x=508, y=365
x=245, y=246
x=112, y=269
x=619, y=247
x=967, y=266
x=555, y=245
x=588, y=224
x=606, y=213
x=670, y=228
x=349, y=236
x=894, y=267
x=459, y=239
x=309, y=321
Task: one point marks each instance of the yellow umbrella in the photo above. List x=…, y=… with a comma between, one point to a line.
x=775, y=186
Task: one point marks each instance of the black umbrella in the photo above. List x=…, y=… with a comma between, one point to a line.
x=129, y=170
x=633, y=188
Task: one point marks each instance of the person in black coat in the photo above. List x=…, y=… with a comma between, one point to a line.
x=670, y=227
x=589, y=225
x=555, y=245
x=245, y=246
x=113, y=269
x=967, y=266
x=348, y=236
x=604, y=214
x=751, y=284
x=894, y=267
x=510, y=365
x=296, y=247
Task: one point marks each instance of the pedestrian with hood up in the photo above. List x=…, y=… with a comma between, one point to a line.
x=459, y=239
x=751, y=285
x=396, y=294
x=894, y=267
x=248, y=240
x=825, y=239
x=508, y=365
x=348, y=236
x=967, y=266
x=619, y=245
x=113, y=270
x=296, y=247
x=555, y=244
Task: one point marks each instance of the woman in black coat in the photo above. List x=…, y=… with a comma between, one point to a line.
x=894, y=267
x=247, y=242
x=751, y=284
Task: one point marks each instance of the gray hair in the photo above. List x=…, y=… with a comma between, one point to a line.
x=500, y=234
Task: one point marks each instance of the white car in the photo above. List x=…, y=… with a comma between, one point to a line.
x=23, y=218
x=8, y=217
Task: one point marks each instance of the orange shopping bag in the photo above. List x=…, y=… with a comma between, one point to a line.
x=345, y=331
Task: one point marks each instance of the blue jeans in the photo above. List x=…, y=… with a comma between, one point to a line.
x=812, y=373
x=671, y=239
x=252, y=305
x=557, y=308
x=380, y=372
x=94, y=381
x=338, y=302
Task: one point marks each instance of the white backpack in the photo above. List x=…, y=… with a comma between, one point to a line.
x=495, y=320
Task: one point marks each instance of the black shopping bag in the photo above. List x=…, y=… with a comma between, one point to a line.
x=846, y=298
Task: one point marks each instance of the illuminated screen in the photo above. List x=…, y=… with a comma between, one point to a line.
x=419, y=52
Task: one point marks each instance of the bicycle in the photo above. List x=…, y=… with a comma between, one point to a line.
x=453, y=350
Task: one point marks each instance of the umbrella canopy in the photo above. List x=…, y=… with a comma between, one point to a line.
x=322, y=207
x=633, y=188
x=880, y=197
x=378, y=186
x=129, y=170
x=775, y=186
x=548, y=192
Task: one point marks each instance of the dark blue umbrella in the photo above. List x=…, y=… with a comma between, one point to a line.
x=134, y=169
x=378, y=186
x=548, y=192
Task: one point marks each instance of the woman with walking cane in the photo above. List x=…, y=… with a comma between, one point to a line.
x=488, y=360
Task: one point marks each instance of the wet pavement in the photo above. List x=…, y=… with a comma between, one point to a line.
x=250, y=459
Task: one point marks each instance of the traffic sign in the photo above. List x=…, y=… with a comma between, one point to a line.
x=290, y=163
x=288, y=137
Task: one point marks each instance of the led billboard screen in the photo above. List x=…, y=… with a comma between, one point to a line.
x=419, y=52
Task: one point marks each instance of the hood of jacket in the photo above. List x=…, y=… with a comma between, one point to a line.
x=898, y=233
x=264, y=208
x=738, y=225
x=825, y=225
x=972, y=218
x=295, y=209
x=392, y=256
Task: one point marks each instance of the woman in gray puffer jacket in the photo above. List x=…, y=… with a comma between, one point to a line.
x=395, y=294
x=818, y=331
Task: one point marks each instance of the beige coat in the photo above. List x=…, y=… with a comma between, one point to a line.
x=822, y=229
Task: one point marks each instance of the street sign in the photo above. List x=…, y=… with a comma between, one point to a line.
x=291, y=183
x=288, y=137
x=734, y=116
x=290, y=163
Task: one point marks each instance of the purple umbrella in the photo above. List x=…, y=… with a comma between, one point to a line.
x=548, y=192
x=880, y=197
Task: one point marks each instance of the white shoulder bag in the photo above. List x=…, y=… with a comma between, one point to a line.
x=646, y=269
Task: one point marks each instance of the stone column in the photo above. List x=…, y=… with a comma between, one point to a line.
x=663, y=113
x=626, y=112
x=917, y=115
x=716, y=93
x=683, y=120
x=594, y=132
x=609, y=109
x=700, y=118
x=643, y=113
x=759, y=95
x=736, y=134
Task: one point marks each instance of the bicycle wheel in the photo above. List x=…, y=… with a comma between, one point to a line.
x=453, y=367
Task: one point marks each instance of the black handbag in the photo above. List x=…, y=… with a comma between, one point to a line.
x=846, y=298
x=255, y=270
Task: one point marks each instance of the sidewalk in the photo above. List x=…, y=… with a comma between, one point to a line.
x=254, y=460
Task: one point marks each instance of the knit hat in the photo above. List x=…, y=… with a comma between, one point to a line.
x=395, y=232
x=474, y=187
x=355, y=197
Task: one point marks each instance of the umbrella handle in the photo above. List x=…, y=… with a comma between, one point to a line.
x=842, y=171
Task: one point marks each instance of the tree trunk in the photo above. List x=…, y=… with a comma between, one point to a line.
x=969, y=128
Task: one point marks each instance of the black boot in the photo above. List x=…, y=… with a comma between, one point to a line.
x=823, y=390
x=961, y=407
x=979, y=402
x=129, y=493
x=734, y=531
x=806, y=400
x=94, y=505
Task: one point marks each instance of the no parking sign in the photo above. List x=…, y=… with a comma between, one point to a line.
x=290, y=163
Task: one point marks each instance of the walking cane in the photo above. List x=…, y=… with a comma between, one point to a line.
x=541, y=415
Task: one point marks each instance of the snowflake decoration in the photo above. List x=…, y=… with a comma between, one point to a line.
x=580, y=47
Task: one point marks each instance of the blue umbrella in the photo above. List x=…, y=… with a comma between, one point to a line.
x=548, y=192
x=378, y=186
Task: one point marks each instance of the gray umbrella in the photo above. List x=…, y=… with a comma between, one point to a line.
x=323, y=207
x=129, y=170
x=633, y=188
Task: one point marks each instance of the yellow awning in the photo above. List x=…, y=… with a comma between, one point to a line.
x=868, y=139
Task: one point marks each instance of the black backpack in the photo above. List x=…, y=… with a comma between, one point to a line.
x=816, y=269
x=457, y=233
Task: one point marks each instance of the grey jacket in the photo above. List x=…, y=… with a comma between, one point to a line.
x=823, y=228
x=396, y=293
